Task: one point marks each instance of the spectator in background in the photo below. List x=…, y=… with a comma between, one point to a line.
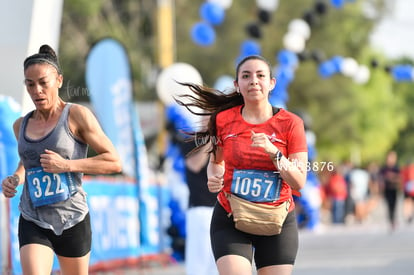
x=359, y=186
x=373, y=170
x=346, y=169
x=407, y=177
x=390, y=185
x=336, y=192
x=199, y=259
x=374, y=186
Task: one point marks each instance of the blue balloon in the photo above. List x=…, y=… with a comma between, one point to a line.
x=284, y=73
x=277, y=102
x=179, y=164
x=402, y=72
x=312, y=178
x=171, y=112
x=338, y=3
x=281, y=85
x=172, y=151
x=238, y=60
x=311, y=153
x=287, y=58
x=177, y=216
x=203, y=34
x=337, y=62
x=212, y=13
x=176, y=116
x=250, y=47
x=178, y=256
x=327, y=69
x=280, y=93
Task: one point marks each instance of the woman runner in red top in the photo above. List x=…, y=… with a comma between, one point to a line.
x=249, y=138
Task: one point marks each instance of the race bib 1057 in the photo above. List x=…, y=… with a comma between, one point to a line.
x=256, y=185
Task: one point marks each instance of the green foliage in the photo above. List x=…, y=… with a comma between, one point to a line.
x=85, y=22
x=404, y=144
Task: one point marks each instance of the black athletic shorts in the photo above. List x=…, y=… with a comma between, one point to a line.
x=74, y=242
x=268, y=250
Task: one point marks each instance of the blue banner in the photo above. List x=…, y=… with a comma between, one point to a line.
x=147, y=192
x=108, y=78
x=9, y=112
x=9, y=158
x=109, y=81
x=114, y=216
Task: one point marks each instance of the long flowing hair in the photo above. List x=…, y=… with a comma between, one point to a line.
x=211, y=102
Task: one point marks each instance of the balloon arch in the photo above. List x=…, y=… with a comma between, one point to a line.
x=212, y=13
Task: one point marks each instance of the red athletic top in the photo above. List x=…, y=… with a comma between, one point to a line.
x=285, y=130
x=407, y=175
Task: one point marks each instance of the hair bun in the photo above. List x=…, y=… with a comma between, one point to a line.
x=46, y=49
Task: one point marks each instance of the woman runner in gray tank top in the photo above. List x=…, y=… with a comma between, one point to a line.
x=53, y=141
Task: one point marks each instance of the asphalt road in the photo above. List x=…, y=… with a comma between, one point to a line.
x=358, y=249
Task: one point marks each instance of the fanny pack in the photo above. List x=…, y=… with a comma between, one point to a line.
x=258, y=218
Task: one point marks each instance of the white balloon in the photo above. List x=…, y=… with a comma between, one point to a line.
x=362, y=75
x=300, y=27
x=349, y=67
x=225, y=84
x=225, y=4
x=294, y=42
x=310, y=138
x=267, y=5
x=167, y=86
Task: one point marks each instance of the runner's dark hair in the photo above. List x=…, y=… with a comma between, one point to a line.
x=212, y=102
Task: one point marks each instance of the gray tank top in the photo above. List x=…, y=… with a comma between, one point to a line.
x=64, y=214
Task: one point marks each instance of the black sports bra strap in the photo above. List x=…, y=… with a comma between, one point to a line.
x=275, y=110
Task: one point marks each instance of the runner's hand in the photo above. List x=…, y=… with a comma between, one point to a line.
x=52, y=162
x=215, y=183
x=9, y=185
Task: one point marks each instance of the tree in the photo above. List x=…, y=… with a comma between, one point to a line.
x=404, y=90
x=85, y=22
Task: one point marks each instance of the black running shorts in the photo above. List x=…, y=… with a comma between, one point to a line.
x=74, y=242
x=268, y=250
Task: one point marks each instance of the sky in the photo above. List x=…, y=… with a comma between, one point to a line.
x=394, y=36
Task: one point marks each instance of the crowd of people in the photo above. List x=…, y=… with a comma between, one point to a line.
x=351, y=194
